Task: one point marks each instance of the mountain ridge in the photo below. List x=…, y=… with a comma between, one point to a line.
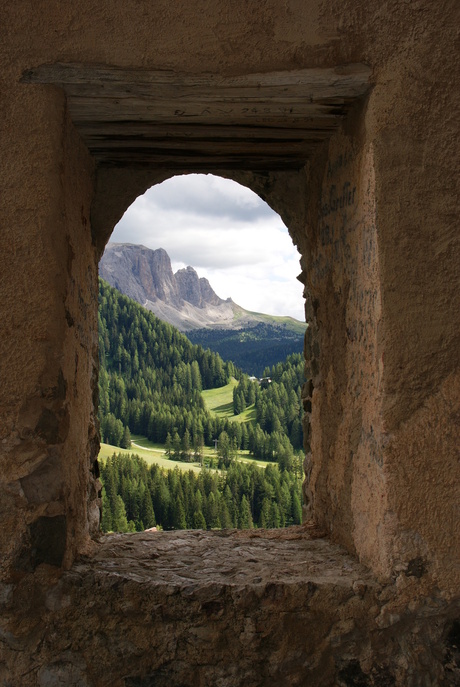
x=183, y=299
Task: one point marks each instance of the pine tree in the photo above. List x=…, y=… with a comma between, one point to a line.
x=296, y=509
x=212, y=512
x=119, y=520
x=106, y=519
x=168, y=445
x=275, y=515
x=244, y=515
x=198, y=449
x=126, y=439
x=178, y=515
x=224, y=515
x=199, y=523
x=148, y=514
x=265, y=514
x=185, y=447
x=176, y=444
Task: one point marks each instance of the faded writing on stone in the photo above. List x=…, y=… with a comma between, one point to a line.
x=338, y=201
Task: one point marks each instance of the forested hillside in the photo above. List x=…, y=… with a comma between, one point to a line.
x=253, y=347
x=137, y=496
x=278, y=406
x=151, y=378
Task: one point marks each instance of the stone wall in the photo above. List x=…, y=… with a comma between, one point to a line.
x=258, y=608
x=49, y=358
x=343, y=278
x=383, y=265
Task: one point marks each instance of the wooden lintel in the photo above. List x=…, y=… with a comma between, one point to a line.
x=351, y=77
x=144, y=117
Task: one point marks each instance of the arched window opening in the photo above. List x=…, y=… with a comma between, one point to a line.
x=201, y=352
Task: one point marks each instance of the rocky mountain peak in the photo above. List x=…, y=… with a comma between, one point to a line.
x=146, y=276
x=139, y=272
x=194, y=290
x=183, y=299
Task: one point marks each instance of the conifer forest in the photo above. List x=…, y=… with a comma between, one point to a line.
x=150, y=383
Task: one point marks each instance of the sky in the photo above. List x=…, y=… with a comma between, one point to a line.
x=226, y=233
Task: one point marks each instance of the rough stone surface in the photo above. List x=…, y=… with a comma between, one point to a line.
x=275, y=607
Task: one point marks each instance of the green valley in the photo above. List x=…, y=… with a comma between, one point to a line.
x=177, y=405
x=253, y=347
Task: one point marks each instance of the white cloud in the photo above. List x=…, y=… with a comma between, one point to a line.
x=227, y=233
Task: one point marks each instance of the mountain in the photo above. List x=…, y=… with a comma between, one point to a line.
x=183, y=299
x=251, y=340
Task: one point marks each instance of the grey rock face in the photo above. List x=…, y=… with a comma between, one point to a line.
x=194, y=290
x=140, y=273
x=182, y=299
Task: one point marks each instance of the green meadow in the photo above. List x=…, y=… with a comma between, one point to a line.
x=155, y=453
x=220, y=402
x=151, y=453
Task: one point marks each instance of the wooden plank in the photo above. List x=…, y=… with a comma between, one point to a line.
x=189, y=157
x=111, y=147
x=199, y=163
x=187, y=131
x=193, y=93
x=352, y=79
x=102, y=92
x=204, y=144
x=135, y=109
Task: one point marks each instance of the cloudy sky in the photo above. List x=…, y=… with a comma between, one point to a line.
x=227, y=233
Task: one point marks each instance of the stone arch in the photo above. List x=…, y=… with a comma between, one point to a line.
x=284, y=192
x=339, y=258
x=321, y=173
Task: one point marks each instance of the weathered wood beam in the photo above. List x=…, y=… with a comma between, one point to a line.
x=137, y=109
x=349, y=81
x=250, y=121
x=188, y=131
x=101, y=93
x=186, y=164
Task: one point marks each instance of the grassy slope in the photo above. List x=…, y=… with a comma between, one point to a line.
x=150, y=455
x=290, y=323
x=220, y=402
x=155, y=453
